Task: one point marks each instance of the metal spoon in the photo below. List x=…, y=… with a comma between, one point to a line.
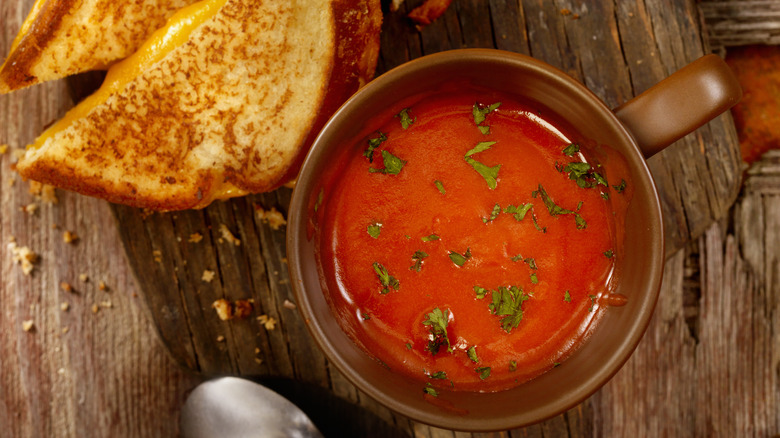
x=230, y=407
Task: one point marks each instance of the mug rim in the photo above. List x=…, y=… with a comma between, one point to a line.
x=296, y=232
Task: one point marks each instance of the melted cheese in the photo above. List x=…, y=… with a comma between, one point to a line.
x=27, y=24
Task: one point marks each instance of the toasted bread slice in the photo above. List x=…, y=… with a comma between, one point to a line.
x=64, y=37
x=219, y=103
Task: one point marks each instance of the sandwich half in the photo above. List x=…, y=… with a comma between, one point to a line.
x=222, y=101
x=64, y=37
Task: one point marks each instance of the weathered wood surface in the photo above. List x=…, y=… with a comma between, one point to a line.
x=741, y=22
x=116, y=379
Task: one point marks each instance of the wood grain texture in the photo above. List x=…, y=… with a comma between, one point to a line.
x=740, y=23
x=117, y=379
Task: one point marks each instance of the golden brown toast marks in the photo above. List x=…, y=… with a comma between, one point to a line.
x=233, y=105
x=72, y=36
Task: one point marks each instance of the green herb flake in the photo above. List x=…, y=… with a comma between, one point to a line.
x=406, y=120
x=567, y=297
x=430, y=238
x=571, y=149
x=393, y=164
x=552, y=207
x=440, y=187
x=605, y=196
x=438, y=375
x=385, y=279
x=408, y=346
x=592, y=302
x=374, y=229
x=472, y=354
x=579, y=206
x=484, y=129
x=417, y=258
x=365, y=316
x=458, y=258
x=531, y=262
x=437, y=321
x=536, y=225
x=519, y=211
x=484, y=372
x=480, y=291
x=490, y=174
x=556, y=364
x=480, y=112
x=620, y=187
x=374, y=143
x=580, y=222
x=512, y=366
x=493, y=214
x=517, y=258
x=534, y=278
x=430, y=391
x=507, y=302
x=609, y=253
x=318, y=202
x=600, y=179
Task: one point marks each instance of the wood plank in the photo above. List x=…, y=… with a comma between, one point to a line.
x=732, y=23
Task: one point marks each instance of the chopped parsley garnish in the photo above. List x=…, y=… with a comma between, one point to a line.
x=430, y=391
x=620, y=187
x=393, y=164
x=517, y=258
x=536, y=224
x=489, y=173
x=472, y=353
x=406, y=121
x=318, y=202
x=365, y=316
x=374, y=230
x=438, y=375
x=534, y=278
x=493, y=214
x=437, y=321
x=512, y=366
x=480, y=291
x=518, y=211
x=430, y=238
x=484, y=129
x=480, y=112
x=374, y=143
x=418, y=257
x=484, y=372
x=605, y=196
x=531, y=262
x=408, y=346
x=600, y=179
x=582, y=174
x=507, y=302
x=460, y=259
x=571, y=149
x=609, y=253
x=555, y=209
x=385, y=279
x=567, y=297
x=440, y=186
x=592, y=302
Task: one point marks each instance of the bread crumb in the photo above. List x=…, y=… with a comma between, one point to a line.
x=227, y=235
x=258, y=360
x=565, y=12
x=66, y=286
x=44, y=192
x=3, y=149
x=268, y=322
x=207, y=276
x=106, y=304
x=69, y=237
x=195, y=238
x=83, y=278
x=65, y=329
x=23, y=256
x=257, y=350
x=243, y=308
x=223, y=308
x=157, y=254
x=30, y=208
x=28, y=325
x=272, y=217
x=11, y=181
x=289, y=305
x=65, y=307
x=18, y=153
x=395, y=4
x=220, y=338
x=95, y=308
x=102, y=285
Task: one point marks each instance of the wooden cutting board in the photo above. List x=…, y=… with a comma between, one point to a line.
x=617, y=49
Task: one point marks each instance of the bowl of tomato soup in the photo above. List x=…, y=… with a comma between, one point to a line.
x=475, y=239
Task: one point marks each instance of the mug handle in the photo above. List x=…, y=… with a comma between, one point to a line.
x=676, y=106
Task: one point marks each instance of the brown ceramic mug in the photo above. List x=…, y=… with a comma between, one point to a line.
x=637, y=130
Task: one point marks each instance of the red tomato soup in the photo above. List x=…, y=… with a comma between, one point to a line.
x=467, y=241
